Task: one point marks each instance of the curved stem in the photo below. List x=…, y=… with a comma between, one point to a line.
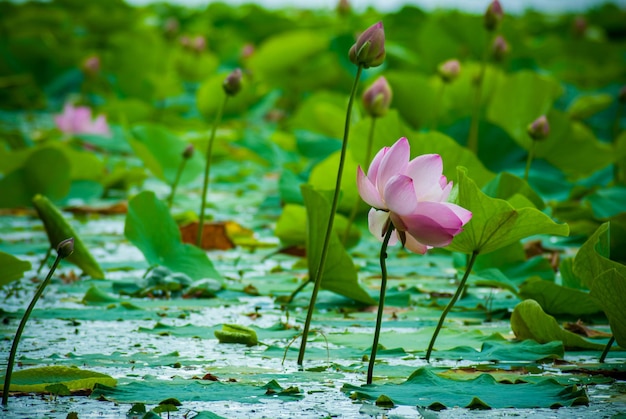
x=297, y=290
x=381, y=302
x=368, y=156
x=606, y=350
x=331, y=219
x=529, y=160
x=456, y=296
x=44, y=260
x=615, y=132
x=20, y=329
x=207, y=168
x=181, y=167
x=472, y=139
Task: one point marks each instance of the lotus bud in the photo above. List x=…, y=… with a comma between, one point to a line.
x=493, y=15
x=500, y=48
x=621, y=96
x=377, y=98
x=65, y=248
x=343, y=7
x=91, y=65
x=579, y=27
x=247, y=50
x=232, y=82
x=184, y=41
x=539, y=128
x=171, y=26
x=198, y=43
x=369, y=49
x=188, y=152
x=449, y=70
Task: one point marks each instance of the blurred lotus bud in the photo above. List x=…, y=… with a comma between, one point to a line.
x=377, y=98
x=539, y=128
x=343, y=7
x=198, y=44
x=184, y=41
x=65, y=248
x=91, y=65
x=499, y=48
x=232, y=82
x=171, y=26
x=579, y=26
x=621, y=96
x=369, y=49
x=493, y=15
x=449, y=70
x=188, y=152
x=247, y=51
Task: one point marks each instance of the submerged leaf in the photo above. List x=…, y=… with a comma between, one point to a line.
x=11, y=268
x=35, y=380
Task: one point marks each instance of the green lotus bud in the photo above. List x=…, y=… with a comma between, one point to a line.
x=65, y=248
x=493, y=15
x=369, y=49
x=377, y=98
x=499, y=48
x=232, y=82
x=449, y=70
x=539, y=128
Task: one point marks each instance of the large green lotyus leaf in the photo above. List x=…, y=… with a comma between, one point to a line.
x=58, y=229
x=35, y=380
x=151, y=228
x=339, y=274
x=495, y=222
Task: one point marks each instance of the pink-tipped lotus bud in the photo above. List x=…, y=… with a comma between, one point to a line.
x=579, y=26
x=91, y=65
x=500, y=48
x=247, y=50
x=232, y=82
x=377, y=98
x=188, y=152
x=198, y=43
x=449, y=70
x=621, y=96
x=539, y=128
x=65, y=248
x=369, y=49
x=493, y=15
x=171, y=26
x=343, y=7
x=184, y=41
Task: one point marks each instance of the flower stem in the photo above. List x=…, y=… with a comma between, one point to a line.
x=181, y=167
x=606, y=350
x=456, y=296
x=357, y=204
x=381, y=302
x=20, y=329
x=615, y=132
x=331, y=219
x=529, y=159
x=472, y=139
x=207, y=168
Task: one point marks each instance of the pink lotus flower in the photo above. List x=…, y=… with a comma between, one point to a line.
x=77, y=120
x=413, y=196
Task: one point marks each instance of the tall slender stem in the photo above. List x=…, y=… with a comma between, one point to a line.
x=331, y=219
x=20, y=329
x=606, y=350
x=179, y=172
x=615, y=132
x=207, y=168
x=381, y=302
x=472, y=139
x=456, y=296
x=368, y=156
x=529, y=159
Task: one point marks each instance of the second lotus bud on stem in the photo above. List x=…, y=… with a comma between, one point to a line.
x=232, y=82
x=369, y=48
x=493, y=15
x=539, y=128
x=377, y=98
x=65, y=248
x=449, y=70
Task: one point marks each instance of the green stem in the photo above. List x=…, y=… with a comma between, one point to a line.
x=615, y=132
x=207, y=168
x=606, y=350
x=529, y=159
x=20, y=329
x=297, y=290
x=331, y=219
x=456, y=296
x=381, y=302
x=181, y=167
x=368, y=156
x=472, y=140
x=44, y=260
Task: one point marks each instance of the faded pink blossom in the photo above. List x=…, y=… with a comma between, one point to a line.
x=413, y=195
x=78, y=120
